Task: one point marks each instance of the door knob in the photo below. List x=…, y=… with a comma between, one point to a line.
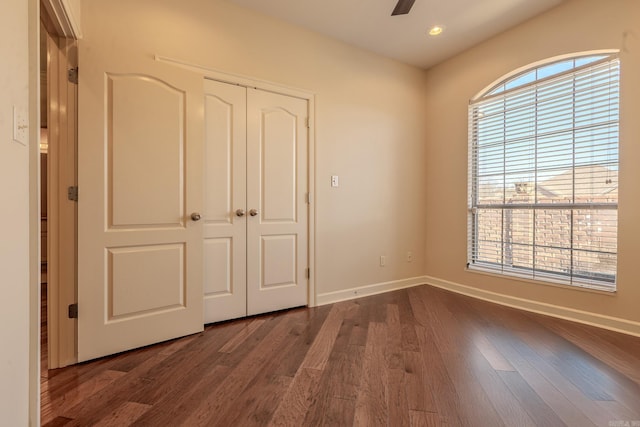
x=253, y=212
x=195, y=216
x=240, y=212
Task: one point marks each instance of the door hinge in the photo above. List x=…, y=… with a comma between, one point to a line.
x=72, y=193
x=72, y=75
x=309, y=198
x=73, y=311
x=308, y=273
x=307, y=123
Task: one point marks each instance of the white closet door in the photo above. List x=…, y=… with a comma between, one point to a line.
x=277, y=144
x=225, y=226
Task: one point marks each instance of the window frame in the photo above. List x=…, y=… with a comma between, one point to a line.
x=572, y=278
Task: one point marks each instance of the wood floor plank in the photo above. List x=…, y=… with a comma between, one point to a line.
x=437, y=379
x=424, y=419
x=571, y=392
x=622, y=412
x=491, y=354
x=397, y=401
x=203, y=354
x=417, y=383
x=393, y=349
x=479, y=331
x=409, y=338
x=361, y=324
x=584, y=371
x=318, y=354
x=259, y=400
x=257, y=404
x=345, y=375
x=295, y=403
x=57, y=422
x=124, y=415
x=337, y=378
x=137, y=380
x=304, y=332
x=371, y=404
x=77, y=395
x=611, y=365
x=242, y=336
x=340, y=412
x=474, y=402
x=100, y=404
x=229, y=390
x=404, y=306
x=254, y=340
x=180, y=404
x=414, y=357
x=504, y=401
x=566, y=399
x=539, y=411
x=340, y=380
x=595, y=343
x=563, y=407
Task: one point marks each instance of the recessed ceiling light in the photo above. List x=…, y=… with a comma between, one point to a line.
x=436, y=30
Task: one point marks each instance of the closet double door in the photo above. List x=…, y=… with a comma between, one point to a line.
x=255, y=213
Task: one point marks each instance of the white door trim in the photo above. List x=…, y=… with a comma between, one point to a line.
x=237, y=79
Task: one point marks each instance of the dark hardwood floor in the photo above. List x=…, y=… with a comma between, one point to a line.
x=416, y=357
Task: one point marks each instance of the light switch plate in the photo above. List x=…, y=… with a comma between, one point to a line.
x=20, y=125
x=334, y=181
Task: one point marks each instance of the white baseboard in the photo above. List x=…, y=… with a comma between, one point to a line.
x=367, y=290
x=601, y=321
x=598, y=320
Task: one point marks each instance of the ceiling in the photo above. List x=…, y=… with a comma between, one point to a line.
x=369, y=24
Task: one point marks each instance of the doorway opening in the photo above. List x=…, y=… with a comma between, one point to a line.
x=44, y=146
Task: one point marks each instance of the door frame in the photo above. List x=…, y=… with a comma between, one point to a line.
x=250, y=82
x=63, y=31
x=61, y=20
x=62, y=217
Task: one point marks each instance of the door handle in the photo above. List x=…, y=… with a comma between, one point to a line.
x=239, y=212
x=195, y=216
x=253, y=212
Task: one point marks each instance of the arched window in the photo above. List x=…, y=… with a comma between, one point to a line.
x=543, y=173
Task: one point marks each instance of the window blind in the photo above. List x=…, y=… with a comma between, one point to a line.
x=543, y=174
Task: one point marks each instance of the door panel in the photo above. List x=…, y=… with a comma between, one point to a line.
x=155, y=198
x=158, y=274
x=217, y=270
x=278, y=149
x=225, y=233
x=278, y=261
x=139, y=253
x=277, y=141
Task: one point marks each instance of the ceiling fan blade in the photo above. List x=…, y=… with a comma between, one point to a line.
x=403, y=7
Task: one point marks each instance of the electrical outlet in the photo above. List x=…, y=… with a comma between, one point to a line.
x=383, y=260
x=409, y=256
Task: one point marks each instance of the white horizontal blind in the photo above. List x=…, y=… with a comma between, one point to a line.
x=543, y=174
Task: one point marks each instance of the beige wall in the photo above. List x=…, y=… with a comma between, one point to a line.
x=370, y=123
x=14, y=217
x=577, y=25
